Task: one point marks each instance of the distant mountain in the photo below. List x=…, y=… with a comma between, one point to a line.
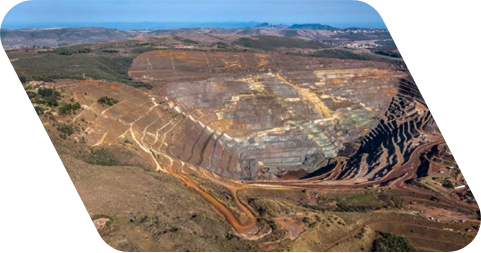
x=128, y=26
x=312, y=27
x=54, y=37
x=270, y=25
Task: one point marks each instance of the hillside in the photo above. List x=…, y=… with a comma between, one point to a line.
x=250, y=142
x=40, y=38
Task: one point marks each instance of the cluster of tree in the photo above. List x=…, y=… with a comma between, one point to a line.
x=388, y=53
x=107, y=101
x=102, y=157
x=341, y=207
x=50, y=96
x=448, y=184
x=391, y=243
x=110, y=51
x=342, y=54
x=67, y=109
x=185, y=41
x=66, y=130
x=71, y=51
x=46, y=78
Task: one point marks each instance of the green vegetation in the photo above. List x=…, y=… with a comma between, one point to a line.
x=367, y=201
x=102, y=157
x=341, y=54
x=360, y=235
x=46, y=92
x=66, y=130
x=70, y=51
x=312, y=207
x=448, y=184
x=60, y=64
x=185, y=41
x=388, y=53
x=39, y=110
x=50, y=96
x=107, y=101
x=67, y=109
x=341, y=207
x=391, y=243
x=269, y=43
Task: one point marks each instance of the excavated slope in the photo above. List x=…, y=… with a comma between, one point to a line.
x=260, y=116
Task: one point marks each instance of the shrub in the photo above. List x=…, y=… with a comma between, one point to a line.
x=66, y=130
x=107, y=101
x=67, y=109
x=391, y=243
x=45, y=92
x=101, y=157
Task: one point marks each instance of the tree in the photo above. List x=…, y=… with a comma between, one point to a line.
x=76, y=106
x=391, y=243
x=45, y=92
x=107, y=101
x=52, y=100
x=64, y=109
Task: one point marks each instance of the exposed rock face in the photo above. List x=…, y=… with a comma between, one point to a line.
x=391, y=143
x=260, y=116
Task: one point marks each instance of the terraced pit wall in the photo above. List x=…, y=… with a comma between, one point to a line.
x=406, y=125
x=264, y=116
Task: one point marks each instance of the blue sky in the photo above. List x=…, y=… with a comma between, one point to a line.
x=45, y=13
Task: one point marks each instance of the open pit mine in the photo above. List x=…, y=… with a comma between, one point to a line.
x=255, y=117
x=295, y=135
